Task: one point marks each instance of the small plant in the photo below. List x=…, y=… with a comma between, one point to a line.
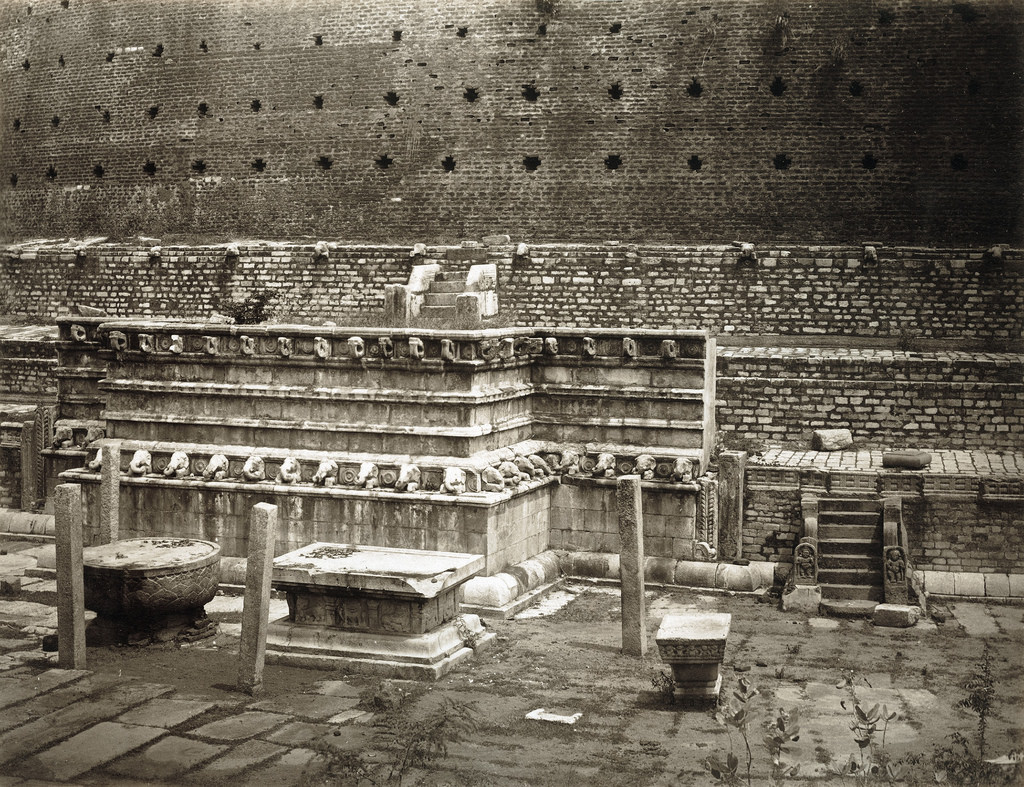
x=250, y=311
x=420, y=742
x=736, y=715
x=778, y=733
x=664, y=683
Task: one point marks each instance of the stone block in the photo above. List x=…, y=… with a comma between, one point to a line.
x=486, y=592
x=831, y=439
x=695, y=574
x=939, y=583
x=693, y=644
x=1016, y=583
x=802, y=598
x=659, y=569
x=997, y=585
x=737, y=578
x=968, y=583
x=895, y=615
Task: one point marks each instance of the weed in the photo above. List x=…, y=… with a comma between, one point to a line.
x=250, y=311
x=418, y=743
x=664, y=683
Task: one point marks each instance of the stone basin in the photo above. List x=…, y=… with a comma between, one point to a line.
x=143, y=578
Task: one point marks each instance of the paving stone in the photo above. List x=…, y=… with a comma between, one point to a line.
x=244, y=755
x=335, y=688
x=311, y=706
x=89, y=749
x=63, y=723
x=297, y=733
x=166, y=713
x=91, y=683
x=826, y=624
x=166, y=758
x=14, y=690
x=243, y=725
x=354, y=716
x=291, y=769
x=975, y=620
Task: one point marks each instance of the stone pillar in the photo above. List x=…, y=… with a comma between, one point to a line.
x=256, y=605
x=110, y=492
x=732, y=466
x=693, y=643
x=70, y=587
x=631, y=565
x=29, y=487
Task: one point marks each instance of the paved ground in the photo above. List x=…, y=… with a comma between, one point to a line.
x=943, y=461
x=166, y=715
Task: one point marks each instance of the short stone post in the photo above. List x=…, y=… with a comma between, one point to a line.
x=110, y=492
x=631, y=565
x=29, y=488
x=731, y=468
x=693, y=644
x=70, y=584
x=256, y=605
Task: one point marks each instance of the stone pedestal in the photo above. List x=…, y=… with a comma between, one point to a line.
x=376, y=610
x=693, y=644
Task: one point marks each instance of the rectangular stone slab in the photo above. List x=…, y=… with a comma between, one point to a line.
x=696, y=637
x=401, y=572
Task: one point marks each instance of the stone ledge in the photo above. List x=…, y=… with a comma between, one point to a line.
x=970, y=584
x=684, y=573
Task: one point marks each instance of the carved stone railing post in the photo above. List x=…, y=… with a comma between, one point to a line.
x=804, y=593
x=895, y=560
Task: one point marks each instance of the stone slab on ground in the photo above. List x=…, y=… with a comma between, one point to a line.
x=36, y=735
x=975, y=620
x=802, y=598
x=295, y=767
x=14, y=689
x=297, y=733
x=244, y=755
x=895, y=615
x=165, y=713
x=245, y=725
x=56, y=699
x=335, y=688
x=88, y=749
x=310, y=706
x=166, y=759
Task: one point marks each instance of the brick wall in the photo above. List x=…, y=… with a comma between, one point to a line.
x=886, y=399
x=10, y=476
x=659, y=121
x=26, y=369
x=949, y=534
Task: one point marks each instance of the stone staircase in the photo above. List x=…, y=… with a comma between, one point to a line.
x=850, y=555
x=439, y=299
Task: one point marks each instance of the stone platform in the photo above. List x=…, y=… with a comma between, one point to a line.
x=375, y=609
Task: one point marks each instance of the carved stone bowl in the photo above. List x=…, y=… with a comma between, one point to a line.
x=141, y=578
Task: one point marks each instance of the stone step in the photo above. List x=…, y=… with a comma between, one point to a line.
x=458, y=285
x=848, y=504
x=848, y=562
x=874, y=593
x=440, y=299
x=450, y=276
x=437, y=312
x=848, y=608
x=865, y=532
x=849, y=576
x=852, y=546
x=849, y=517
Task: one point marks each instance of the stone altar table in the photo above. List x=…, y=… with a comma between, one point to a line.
x=378, y=610
x=693, y=644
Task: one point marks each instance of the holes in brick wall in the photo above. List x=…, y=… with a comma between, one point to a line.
x=199, y=166
x=542, y=29
x=973, y=87
x=613, y=161
x=202, y=109
x=384, y=161
x=695, y=88
x=530, y=163
x=153, y=111
x=886, y=16
x=616, y=92
x=695, y=163
x=324, y=162
x=448, y=164
x=110, y=57
x=55, y=121
x=318, y=102
x=65, y=3
x=958, y=161
x=318, y=40
x=778, y=86
x=869, y=161
x=782, y=161
x=391, y=97
x=966, y=11
x=17, y=124
x=530, y=92
x=203, y=46
x=257, y=46
x=26, y=65
x=14, y=178
x=51, y=172
x=159, y=51
x=98, y=171
x=615, y=28
x=106, y=115
x=856, y=88
x=462, y=32
x=471, y=94
x=149, y=168
x=256, y=105
x=60, y=61
x=259, y=164
x=396, y=35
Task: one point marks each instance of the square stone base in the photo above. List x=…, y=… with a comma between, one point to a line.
x=417, y=656
x=698, y=694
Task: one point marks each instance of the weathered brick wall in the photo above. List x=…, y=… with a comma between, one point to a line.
x=796, y=290
x=26, y=369
x=771, y=524
x=10, y=476
x=949, y=534
x=894, y=121
x=886, y=399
